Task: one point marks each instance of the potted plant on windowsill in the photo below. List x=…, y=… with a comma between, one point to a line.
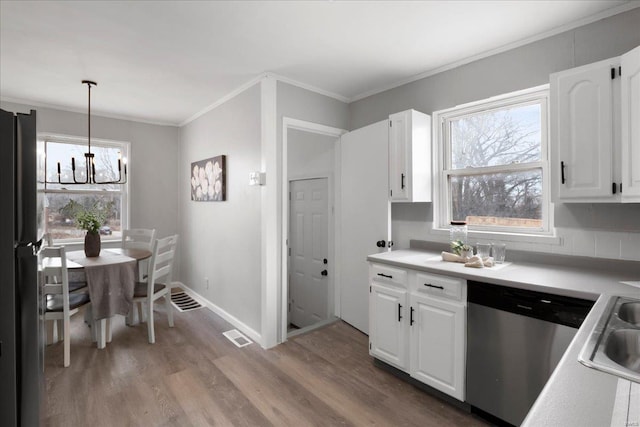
x=90, y=220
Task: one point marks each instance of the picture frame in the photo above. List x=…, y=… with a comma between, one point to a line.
x=209, y=180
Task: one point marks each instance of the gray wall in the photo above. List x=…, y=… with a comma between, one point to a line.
x=153, y=166
x=297, y=103
x=516, y=69
x=309, y=154
x=221, y=240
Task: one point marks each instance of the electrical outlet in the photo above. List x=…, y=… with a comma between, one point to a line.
x=206, y=283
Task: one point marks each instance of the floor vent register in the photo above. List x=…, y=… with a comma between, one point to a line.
x=183, y=302
x=237, y=337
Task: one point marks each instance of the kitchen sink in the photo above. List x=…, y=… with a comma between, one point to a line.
x=614, y=343
x=630, y=312
x=623, y=347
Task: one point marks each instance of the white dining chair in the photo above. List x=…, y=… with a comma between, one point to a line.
x=158, y=282
x=77, y=281
x=60, y=304
x=139, y=238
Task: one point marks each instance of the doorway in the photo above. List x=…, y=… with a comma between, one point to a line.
x=308, y=253
x=310, y=166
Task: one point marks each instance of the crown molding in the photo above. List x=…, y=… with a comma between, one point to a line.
x=257, y=80
x=310, y=88
x=237, y=91
x=94, y=113
x=558, y=30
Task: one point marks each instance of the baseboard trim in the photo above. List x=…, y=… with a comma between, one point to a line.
x=237, y=323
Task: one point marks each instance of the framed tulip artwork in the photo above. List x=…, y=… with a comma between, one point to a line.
x=209, y=180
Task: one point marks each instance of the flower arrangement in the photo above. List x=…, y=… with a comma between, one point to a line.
x=90, y=220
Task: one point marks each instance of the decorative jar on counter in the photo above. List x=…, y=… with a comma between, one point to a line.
x=457, y=235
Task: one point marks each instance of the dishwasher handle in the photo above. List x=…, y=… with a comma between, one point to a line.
x=560, y=309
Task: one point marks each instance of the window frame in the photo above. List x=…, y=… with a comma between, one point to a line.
x=122, y=189
x=442, y=162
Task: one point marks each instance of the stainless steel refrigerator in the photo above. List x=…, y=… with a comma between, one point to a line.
x=21, y=328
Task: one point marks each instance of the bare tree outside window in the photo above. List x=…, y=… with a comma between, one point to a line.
x=495, y=172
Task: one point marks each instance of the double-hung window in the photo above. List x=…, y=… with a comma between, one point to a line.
x=61, y=201
x=494, y=164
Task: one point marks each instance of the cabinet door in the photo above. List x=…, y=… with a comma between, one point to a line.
x=387, y=329
x=399, y=151
x=438, y=344
x=582, y=128
x=410, y=157
x=630, y=110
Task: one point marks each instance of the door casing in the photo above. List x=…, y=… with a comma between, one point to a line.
x=334, y=199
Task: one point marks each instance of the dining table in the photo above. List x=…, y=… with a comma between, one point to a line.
x=111, y=278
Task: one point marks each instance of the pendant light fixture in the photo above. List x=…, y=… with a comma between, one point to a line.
x=89, y=157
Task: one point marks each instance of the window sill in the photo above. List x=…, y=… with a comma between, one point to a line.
x=76, y=242
x=549, y=239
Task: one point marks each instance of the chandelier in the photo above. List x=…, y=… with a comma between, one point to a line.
x=89, y=158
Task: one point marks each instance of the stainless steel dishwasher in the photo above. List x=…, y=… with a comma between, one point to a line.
x=515, y=339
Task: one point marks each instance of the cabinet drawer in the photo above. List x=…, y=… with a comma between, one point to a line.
x=386, y=274
x=444, y=286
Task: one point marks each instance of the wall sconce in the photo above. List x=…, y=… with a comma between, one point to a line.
x=257, y=178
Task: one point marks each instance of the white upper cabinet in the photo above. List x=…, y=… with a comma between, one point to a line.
x=630, y=103
x=410, y=157
x=582, y=130
x=595, y=131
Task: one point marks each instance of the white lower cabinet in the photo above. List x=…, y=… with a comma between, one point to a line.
x=418, y=325
x=438, y=344
x=387, y=326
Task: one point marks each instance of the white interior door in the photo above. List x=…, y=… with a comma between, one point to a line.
x=365, y=215
x=309, y=227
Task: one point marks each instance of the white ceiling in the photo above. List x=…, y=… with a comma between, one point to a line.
x=165, y=61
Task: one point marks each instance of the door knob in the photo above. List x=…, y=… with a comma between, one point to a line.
x=324, y=272
x=381, y=243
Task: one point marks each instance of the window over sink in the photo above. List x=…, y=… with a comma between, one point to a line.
x=493, y=164
x=60, y=200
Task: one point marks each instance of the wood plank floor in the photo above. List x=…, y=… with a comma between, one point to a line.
x=194, y=376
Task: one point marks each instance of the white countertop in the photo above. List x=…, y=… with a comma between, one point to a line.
x=574, y=395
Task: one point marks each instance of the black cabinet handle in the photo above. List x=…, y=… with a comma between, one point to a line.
x=324, y=272
x=562, y=172
x=402, y=181
x=384, y=275
x=399, y=314
x=411, y=316
x=613, y=188
x=434, y=286
x=381, y=243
